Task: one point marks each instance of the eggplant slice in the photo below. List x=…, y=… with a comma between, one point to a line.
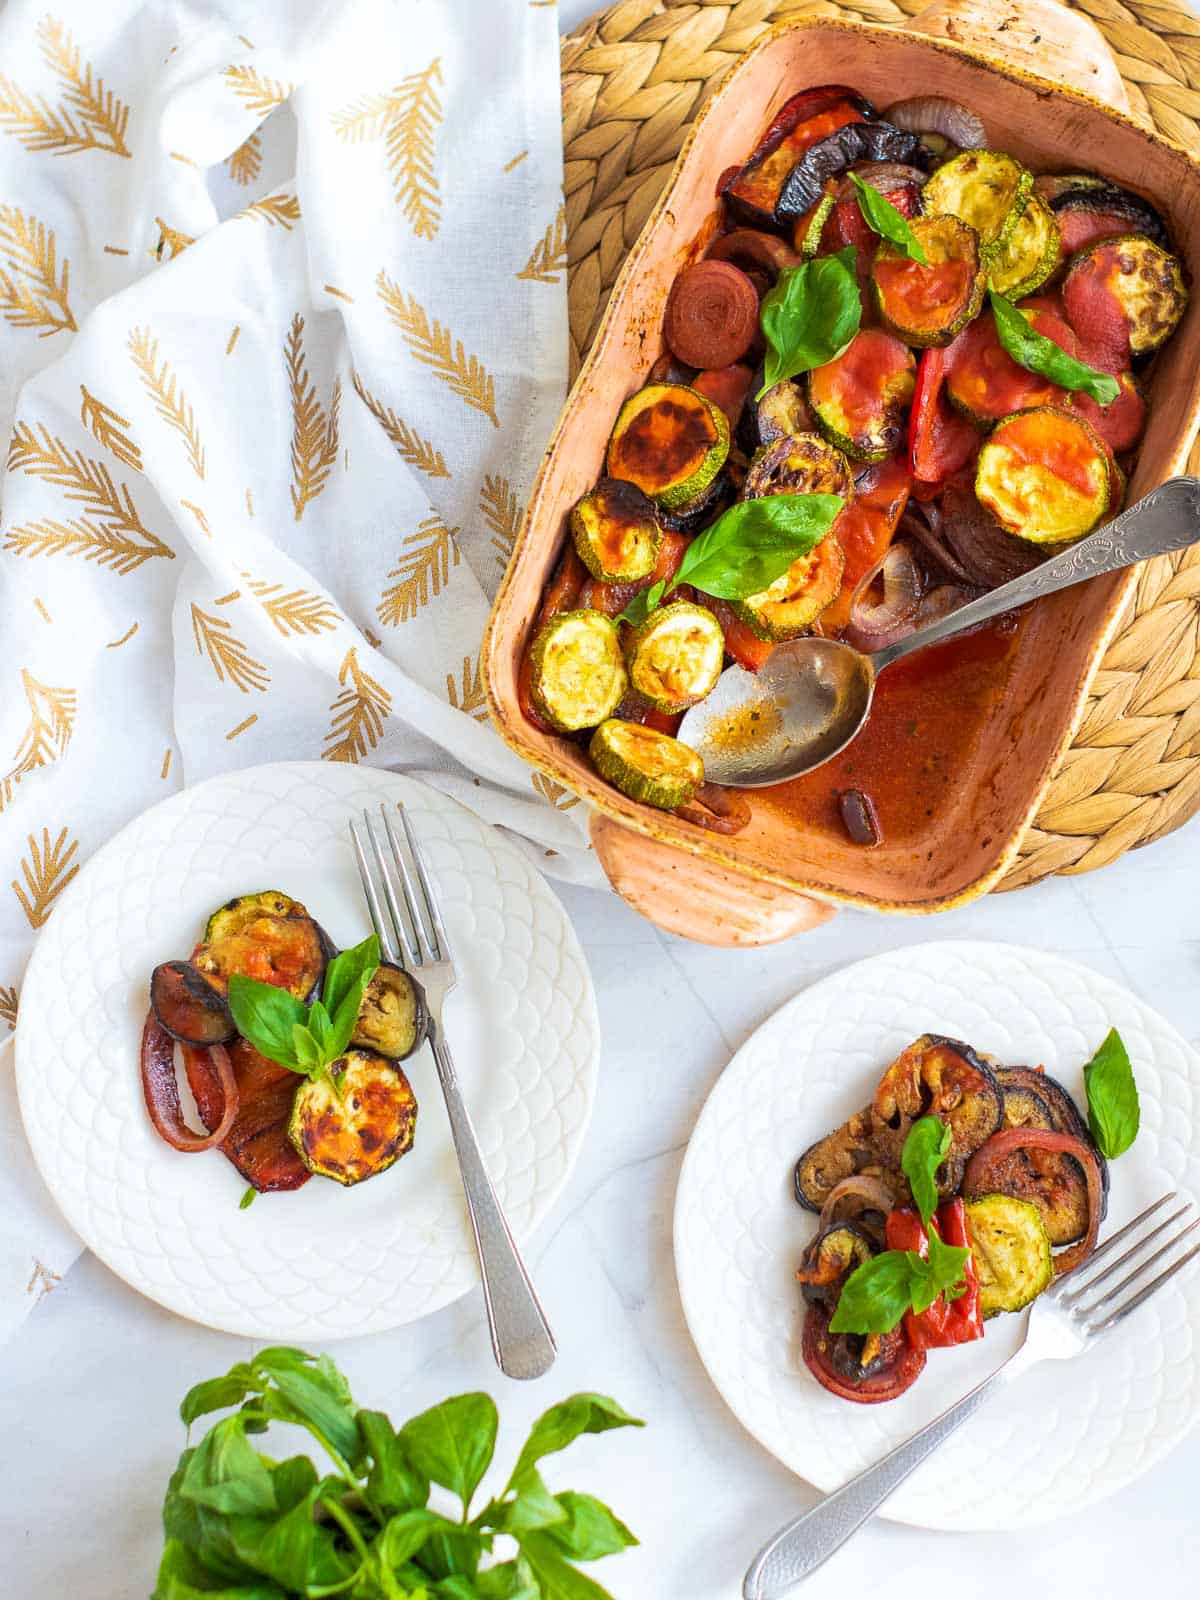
x=1064, y=1114
x=188, y=1006
x=393, y=1018
x=829, y=1260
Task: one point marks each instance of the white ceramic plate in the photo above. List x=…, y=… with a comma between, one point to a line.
x=321, y=1262
x=1069, y=1432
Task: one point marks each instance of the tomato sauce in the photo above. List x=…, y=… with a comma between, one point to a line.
x=1059, y=448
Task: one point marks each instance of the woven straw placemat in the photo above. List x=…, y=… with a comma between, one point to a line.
x=633, y=78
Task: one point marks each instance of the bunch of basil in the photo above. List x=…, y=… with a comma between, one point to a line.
x=242, y=1526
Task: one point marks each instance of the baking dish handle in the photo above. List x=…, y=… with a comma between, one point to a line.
x=697, y=899
x=1039, y=36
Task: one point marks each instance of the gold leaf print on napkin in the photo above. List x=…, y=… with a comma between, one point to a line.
x=112, y=534
x=408, y=443
x=280, y=210
x=435, y=346
x=421, y=573
x=548, y=258
x=9, y=1000
x=226, y=653
x=561, y=799
x=245, y=163
x=502, y=513
x=90, y=116
x=261, y=94
x=46, y=871
x=170, y=402
x=406, y=118
x=109, y=428
x=171, y=242
x=314, y=430
x=357, y=713
x=472, y=696
x=297, y=611
x=33, y=290
x=48, y=733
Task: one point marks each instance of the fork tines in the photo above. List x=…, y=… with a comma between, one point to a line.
x=412, y=936
x=1097, y=1312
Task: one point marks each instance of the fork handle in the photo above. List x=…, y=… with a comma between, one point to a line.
x=521, y=1339
x=807, y=1542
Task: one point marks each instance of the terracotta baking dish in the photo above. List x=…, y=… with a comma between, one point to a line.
x=779, y=875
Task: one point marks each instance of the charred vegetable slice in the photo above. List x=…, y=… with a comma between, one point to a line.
x=944, y=1078
x=393, y=1017
x=795, y=601
x=985, y=383
x=782, y=411
x=1051, y=1180
x=1011, y=1252
x=798, y=463
x=864, y=1367
x=188, y=1006
x=929, y=305
x=1024, y=1107
x=578, y=673
x=675, y=657
x=257, y=1143
x=670, y=441
x=1089, y=208
x=711, y=318
x=1064, y=1113
x=646, y=765
x=1125, y=296
x=695, y=514
x=1029, y=255
x=286, y=948
x=985, y=188
x=829, y=1260
x=616, y=532
x=1045, y=476
x=861, y=398
x=236, y=915
x=360, y=1128
x=753, y=195
x=839, y=150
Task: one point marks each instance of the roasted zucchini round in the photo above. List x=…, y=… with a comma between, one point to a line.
x=670, y=441
x=675, y=657
x=577, y=671
x=1029, y=255
x=267, y=936
x=794, y=602
x=860, y=399
x=1125, y=296
x=928, y=305
x=393, y=1018
x=645, y=764
x=983, y=381
x=616, y=532
x=188, y=1006
x=237, y=914
x=985, y=188
x=358, y=1128
x=1045, y=476
x=809, y=228
x=798, y=463
x=1011, y=1252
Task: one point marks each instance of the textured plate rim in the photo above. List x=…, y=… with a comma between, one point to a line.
x=1159, y=1446
x=588, y=1076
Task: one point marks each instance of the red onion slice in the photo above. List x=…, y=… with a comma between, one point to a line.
x=932, y=114
x=873, y=1192
x=884, y=176
x=989, y=554
x=161, y=1089
x=874, y=624
x=748, y=245
x=940, y=602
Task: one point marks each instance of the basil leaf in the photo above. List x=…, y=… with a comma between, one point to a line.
x=347, y=969
x=555, y=1429
x=217, y=1394
x=266, y=1017
x=453, y=1443
x=924, y=1151
x=226, y=1473
x=306, y=1050
x=249, y=1196
x=405, y=1534
x=182, y=1575
x=320, y=1025
x=810, y=316
x=876, y=1295
x=393, y=1483
x=589, y=1529
x=318, y=1394
x=755, y=542
x=946, y=1263
x=1114, y=1112
x=532, y=1507
x=642, y=604
x=1034, y=352
x=880, y=214
x=557, y=1579
x=510, y=1580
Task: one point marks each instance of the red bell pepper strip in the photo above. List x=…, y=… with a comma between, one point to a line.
x=939, y=440
x=946, y=1322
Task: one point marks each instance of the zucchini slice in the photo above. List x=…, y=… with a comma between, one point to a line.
x=670, y=441
x=616, y=532
x=577, y=673
x=1125, y=296
x=985, y=188
x=794, y=602
x=927, y=306
x=861, y=399
x=808, y=242
x=985, y=383
x=1030, y=254
x=1011, y=1251
x=1045, y=476
x=237, y=914
x=798, y=463
x=675, y=657
x=361, y=1127
x=645, y=764
x=393, y=1018
x=253, y=936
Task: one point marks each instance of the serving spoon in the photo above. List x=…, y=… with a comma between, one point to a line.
x=813, y=695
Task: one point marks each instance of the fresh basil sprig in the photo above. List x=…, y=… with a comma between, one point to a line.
x=810, y=316
x=305, y=1039
x=876, y=1295
x=746, y=549
x=1036, y=353
x=880, y=214
x=239, y=1523
x=1114, y=1111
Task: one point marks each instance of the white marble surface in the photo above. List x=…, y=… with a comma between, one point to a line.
x=88, y=1389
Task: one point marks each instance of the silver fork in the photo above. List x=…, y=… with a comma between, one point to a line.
x=521, y=1339
x=1063, y=1322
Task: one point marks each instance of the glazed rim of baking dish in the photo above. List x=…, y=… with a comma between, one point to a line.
x=505, y=636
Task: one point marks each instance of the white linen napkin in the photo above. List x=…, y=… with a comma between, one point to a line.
x=282, y=337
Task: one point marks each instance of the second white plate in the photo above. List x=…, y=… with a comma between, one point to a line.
x=1069, y=1432
x=322, y=1262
